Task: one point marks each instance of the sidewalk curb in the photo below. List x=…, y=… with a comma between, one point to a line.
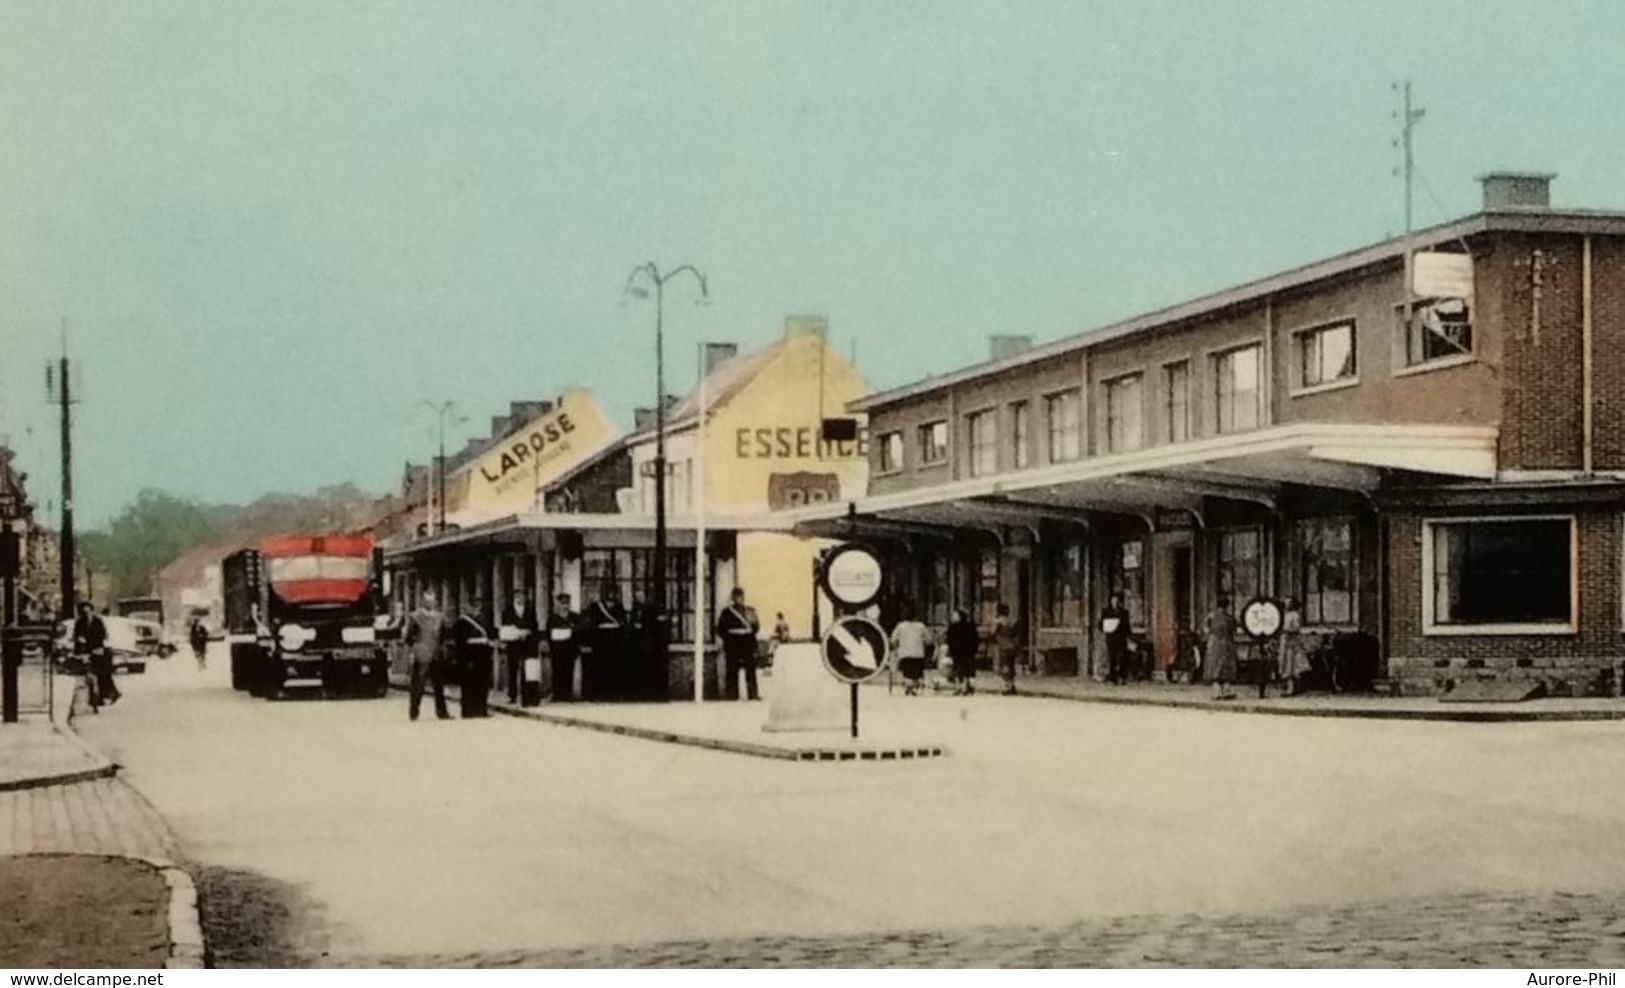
x=186, y=947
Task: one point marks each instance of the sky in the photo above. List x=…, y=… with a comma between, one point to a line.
x=272, y=231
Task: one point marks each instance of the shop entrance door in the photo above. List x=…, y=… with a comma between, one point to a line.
x=1173, y=598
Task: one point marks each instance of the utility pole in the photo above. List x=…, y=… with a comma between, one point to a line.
x=1408, y=117
x=63, y=388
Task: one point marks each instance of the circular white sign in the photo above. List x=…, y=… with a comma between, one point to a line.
x=1261, y=618
x=855, y=649
x=852, y=576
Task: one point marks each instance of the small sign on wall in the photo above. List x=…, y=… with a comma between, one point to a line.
x=1437, y=274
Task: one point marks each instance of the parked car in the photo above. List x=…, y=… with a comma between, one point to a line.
x=151, y=637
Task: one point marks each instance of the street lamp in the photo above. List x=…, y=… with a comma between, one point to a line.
x=441, y=410
x=651, y=273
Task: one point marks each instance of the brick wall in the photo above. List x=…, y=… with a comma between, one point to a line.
x=1541, y=329
x=1580, y=664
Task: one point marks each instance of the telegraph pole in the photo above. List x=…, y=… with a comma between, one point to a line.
x=64, y=396
x=1408, y=117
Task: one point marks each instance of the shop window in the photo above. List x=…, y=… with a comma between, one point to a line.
x=1436, y=329
x=936, y=592
x=891, y=452
x=1326, y=570
x=1238, y=389
x=1064, y=585
x=1326, y=355
x=1124, y=403
x=1064, y=414
x=982, y=438
x=632, y=571
x=1176, y=402
x=987, y=592
x=1020, y=435
x=1502, y=571
x=933, y=443
x=1125, y=574
x=1240, y=573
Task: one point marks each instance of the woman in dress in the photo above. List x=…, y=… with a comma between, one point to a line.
x=962, y=642
x=1292, y=660
x=1219, y=657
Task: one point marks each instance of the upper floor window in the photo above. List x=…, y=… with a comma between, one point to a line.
x=1326, y=355
x=982, y=439
x=891, y=452
x=1176, y=402
x=1238, y=390
x=933, y=443
x=1436, y=329
x=1124, y=403
x=1064, y=411
x=1020, y=435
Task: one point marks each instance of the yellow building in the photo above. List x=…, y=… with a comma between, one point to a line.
x=508, y=477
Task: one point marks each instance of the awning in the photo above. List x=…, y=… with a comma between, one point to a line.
x=533, y=529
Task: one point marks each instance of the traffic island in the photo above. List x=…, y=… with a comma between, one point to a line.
x=83, y=911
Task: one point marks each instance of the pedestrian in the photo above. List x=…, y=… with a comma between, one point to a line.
x=562, y=648
x=646, y=672
x=518, y=636
x=908, y=641
x=962, y=641
x=199, y=637
x=607, y=622
x=1007, y=646
x=1292, y=659
x=736, y=627
x=1219, y=657
x=90, y=644
x=424, y=636
x=470, y=642
x=1114, y=627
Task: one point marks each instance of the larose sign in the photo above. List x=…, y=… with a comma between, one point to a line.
x=851, y=576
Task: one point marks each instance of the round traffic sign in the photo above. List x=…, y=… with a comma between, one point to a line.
x=1261, y=618
x=855, y=649
x=851, y=576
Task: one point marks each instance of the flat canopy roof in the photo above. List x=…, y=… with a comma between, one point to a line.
x=520, y=524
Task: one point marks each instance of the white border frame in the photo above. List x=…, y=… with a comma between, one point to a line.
x=1294, y=372
x=1432, y=629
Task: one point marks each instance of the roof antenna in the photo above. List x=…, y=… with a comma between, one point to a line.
x=1408, y=118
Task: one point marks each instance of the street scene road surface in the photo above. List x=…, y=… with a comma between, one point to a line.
x=337, y=832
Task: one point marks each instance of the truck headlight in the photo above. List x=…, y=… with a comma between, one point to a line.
x=294, y=636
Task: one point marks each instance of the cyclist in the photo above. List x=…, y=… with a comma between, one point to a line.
x=199, y=636
x=90, y=645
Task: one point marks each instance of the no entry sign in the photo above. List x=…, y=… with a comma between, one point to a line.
x=851, y=576
x=855, y=649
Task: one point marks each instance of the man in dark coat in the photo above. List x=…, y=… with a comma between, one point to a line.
x=470, y=643
x=563, y=648
x=607, y=621
x=647, y=678
x=518, y=636
x=90, y=644
x=1114, y=628
x=736, y=627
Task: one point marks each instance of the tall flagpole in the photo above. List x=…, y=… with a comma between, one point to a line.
x=702, y=612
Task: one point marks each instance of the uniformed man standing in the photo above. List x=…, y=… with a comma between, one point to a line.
x=562, y=648
x=607, y=620
x=470, y=644
x=737, y=626
x=518, y=636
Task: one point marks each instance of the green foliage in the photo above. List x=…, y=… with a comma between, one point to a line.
x=149, y=533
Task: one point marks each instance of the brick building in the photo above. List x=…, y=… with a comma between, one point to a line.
x=1423, y=441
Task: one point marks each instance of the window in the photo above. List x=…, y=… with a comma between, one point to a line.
x=982, y=438
x=933, y=443
x=1176, y=402
x=1503, y=571
x=1237, y=386
x=1326, y=355
x=1020, y=438
x=1123, y=407
x=1064, y=577
x=987, y=588
x=1064, y=411
x=1326, y=570
x=1438, y=329
x=632, y=571
x=891, y=452
x=1241, y=565
x=1125, y=574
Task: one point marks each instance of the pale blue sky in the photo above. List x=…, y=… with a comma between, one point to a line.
x=274, y=227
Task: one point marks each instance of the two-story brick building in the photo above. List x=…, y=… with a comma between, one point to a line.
x=1423, y=441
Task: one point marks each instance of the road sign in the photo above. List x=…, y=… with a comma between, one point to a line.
x=855, y=649
x=851, y=576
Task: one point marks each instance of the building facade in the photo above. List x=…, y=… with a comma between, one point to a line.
x=1422, y=441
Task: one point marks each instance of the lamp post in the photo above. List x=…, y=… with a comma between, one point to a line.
x=651, y=273
x=441, y=410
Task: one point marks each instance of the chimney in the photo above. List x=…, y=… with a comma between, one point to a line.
x=1517, y=190
x=1005, y=347
x=717, y=354
x=795, y=326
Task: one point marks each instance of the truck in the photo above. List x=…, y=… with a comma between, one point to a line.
x=305, y=611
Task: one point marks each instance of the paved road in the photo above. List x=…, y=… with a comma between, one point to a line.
x=1055, y=833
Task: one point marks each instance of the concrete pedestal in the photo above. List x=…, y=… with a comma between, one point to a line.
x=805, y=697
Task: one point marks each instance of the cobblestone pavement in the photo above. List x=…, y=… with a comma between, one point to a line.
x=1478, y=931
x=102, y=816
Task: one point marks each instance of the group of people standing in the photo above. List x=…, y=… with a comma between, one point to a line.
x=911, y=643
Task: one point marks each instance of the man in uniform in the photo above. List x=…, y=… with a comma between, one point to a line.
x=562, y=648
x=471, y=652
x=607, y=620
x=736, y=627
x=519, y=640
x=423, y=636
